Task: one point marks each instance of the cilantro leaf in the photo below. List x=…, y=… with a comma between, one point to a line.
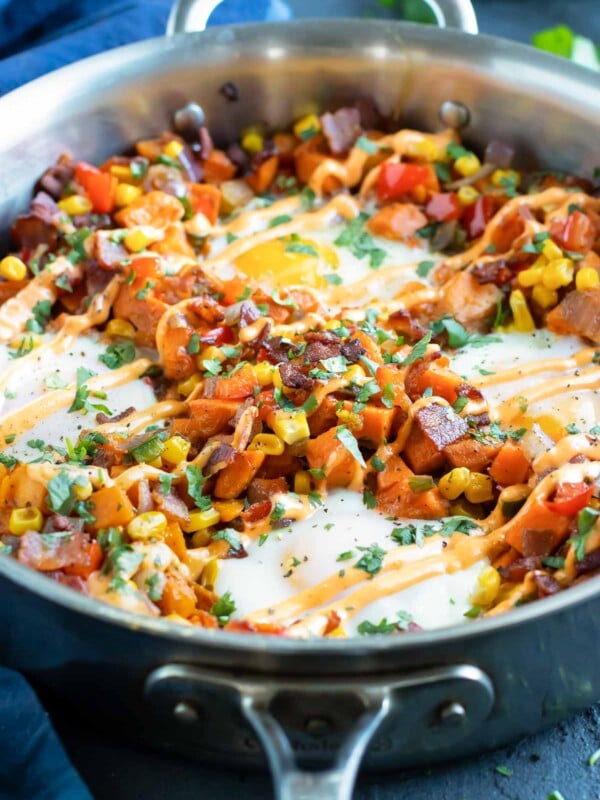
x=118, y=353
x=344, y=435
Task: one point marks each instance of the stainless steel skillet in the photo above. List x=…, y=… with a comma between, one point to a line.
x=418, y=698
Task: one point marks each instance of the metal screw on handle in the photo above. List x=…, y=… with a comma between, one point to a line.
x=335, y=783
x=192, y=15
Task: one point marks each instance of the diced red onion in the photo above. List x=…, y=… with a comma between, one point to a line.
x=499, y=154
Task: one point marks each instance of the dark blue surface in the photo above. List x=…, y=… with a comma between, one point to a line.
x=37, y=36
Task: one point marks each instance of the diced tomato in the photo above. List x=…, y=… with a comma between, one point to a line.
x=476, y=216
x=395, y=180
x=575, y=233
x=443, y=207
x=570, y=498
x=217, y=336
x=75, y=553
x=99, y=186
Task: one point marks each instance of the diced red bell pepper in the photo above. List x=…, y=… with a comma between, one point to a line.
x=100, y=187
x=476, y=216
x=575, y=233
x=570, y=498
x=443, y=207
x=395, y=180
x=217, y=336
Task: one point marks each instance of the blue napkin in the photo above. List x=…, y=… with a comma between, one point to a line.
x=41, y=35
x=33, y=765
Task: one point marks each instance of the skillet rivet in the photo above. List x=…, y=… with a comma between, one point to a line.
x=189, y=118
x=454, y=114
x=452, y=713
x=185, y=712
x=317, y=726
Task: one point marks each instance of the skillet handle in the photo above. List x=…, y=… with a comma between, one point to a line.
x=315, y=731
x=192, y=15
x=334, y=783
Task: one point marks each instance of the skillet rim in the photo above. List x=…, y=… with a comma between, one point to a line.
x=106, y=64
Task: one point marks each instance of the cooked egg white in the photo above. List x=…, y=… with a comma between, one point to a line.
x=514, y=351
x=309, y=550
x=30, y=383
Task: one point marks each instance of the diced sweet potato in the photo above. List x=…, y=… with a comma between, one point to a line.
x=395, y=497
x=326, y=449
x=468, y=452
x=234, y=479
x=468, y=301
x=578, y=313
x=510, y=465
x=399, y=221
x=211, y=415
x=111, y=508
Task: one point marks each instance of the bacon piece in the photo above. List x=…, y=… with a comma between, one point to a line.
x=293, y=377
x=55, y=179
x=578, y=313
x=341, y=129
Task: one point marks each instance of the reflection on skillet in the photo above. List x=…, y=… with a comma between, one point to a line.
x=333, y=380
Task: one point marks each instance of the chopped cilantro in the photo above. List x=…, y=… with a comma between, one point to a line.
x=333, y=279
x=421, y=483
x=502, y=770
x=369, y=499
x=424, y=268
x=459, y=404
x=367, y=628
x=230, y=536
x=118, y=353
x=346, y=555
x=344, y=435
x=196, y=480
x=277, y=512
x=193, y=347
x=473, y=612
x=143, y=293
x=377, y=464
x=586, y=521
x=41, y=314
x=147, y=451
x=418, y=350
x=360, y=242
x=281, y=219
x=223, y=609
x=372, y=559
x=61, y=491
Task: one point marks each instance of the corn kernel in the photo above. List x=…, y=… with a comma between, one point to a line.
x=83, y=491
x=349, y=418
x=467, y=165
x=200, y=520
x=267, y=443
x=337, y=633
x=209, y=575
x=175, y=450
x=502, y=177
x=302, y=483
x=545, y=298
x=586, y=278
x=551, y=250
x=252, y=140
x=332, y=325
x=276, y=379
x=454, y=483
x=187, y=386
x=522, y=316
x=26, y=519
x=173, y=149
x=531, y=276
x=209, y=353
x=307, y=126
x=228, y=509
x=149, y=525
x=121, y=172
x=424, y=148
x=488, y=585
x=75, y=204
x=122, y=328
x=13, y=269
x=291, y=426
x=137, y=240
x=558, y=272
x=355, y=374
x=126, y=194
x=263, y=372
x=479, y=488
x=467, y=195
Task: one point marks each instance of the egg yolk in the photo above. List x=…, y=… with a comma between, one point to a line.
x=287, y=261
